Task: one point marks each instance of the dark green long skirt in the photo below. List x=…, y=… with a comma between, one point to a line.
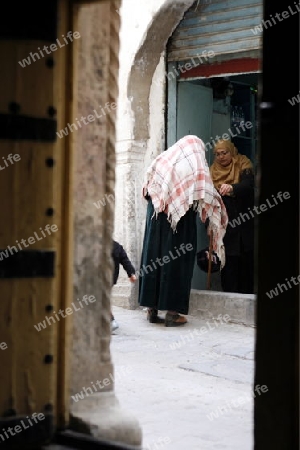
x=167, y=262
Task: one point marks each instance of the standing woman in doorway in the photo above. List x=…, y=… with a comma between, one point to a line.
x=233, y=177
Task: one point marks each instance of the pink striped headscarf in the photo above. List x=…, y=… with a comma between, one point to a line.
x=179, y=178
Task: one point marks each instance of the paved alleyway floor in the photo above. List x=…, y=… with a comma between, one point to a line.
x=190, y=387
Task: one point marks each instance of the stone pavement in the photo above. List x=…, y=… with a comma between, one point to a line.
x=189, y=387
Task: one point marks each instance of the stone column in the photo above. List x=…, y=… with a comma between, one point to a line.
x=96, y=410
x=129, y=216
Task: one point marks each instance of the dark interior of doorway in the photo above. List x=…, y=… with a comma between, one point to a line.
x=238, y=93
x=244, y=109
x=235, y=95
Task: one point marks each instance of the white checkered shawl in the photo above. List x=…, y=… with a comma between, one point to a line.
x=178, y=179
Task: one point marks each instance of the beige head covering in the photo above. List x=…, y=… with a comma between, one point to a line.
x=231, y=173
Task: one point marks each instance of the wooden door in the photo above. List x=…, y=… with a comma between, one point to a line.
x=35, y=230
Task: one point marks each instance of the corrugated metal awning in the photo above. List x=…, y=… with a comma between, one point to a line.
x=224, y=27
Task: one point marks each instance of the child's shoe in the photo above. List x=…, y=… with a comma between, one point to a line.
x=114, y=325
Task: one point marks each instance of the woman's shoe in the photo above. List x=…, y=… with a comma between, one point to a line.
x=174, y=320
x=152, y=316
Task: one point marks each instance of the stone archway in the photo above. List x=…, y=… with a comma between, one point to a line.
x=147, y=58
x=132, y=162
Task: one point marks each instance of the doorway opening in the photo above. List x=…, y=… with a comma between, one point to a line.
x=214, y=108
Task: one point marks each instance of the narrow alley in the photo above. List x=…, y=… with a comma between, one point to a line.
x=189, y=387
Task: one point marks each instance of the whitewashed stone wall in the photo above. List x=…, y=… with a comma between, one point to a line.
x=134, y=153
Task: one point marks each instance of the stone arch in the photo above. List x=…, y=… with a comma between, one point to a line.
x=146, y=60
x=130, y=209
